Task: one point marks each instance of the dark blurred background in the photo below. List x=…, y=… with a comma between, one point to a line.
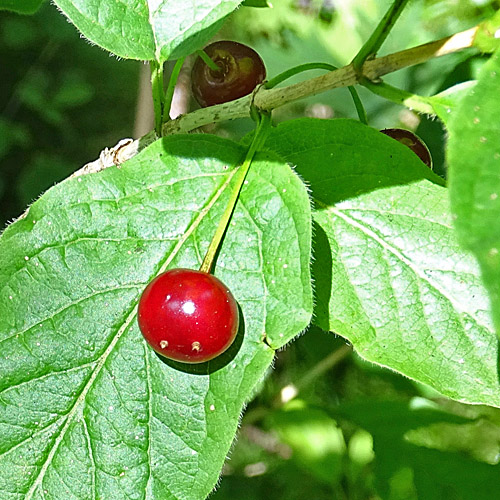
x=61, y=100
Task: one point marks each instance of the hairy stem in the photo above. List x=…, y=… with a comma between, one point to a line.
x=329, y=67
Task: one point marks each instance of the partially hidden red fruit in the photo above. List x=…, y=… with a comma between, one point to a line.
x=241, y=70
x=188, y=315
x=412, y=141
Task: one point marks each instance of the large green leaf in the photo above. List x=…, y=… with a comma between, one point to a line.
x=389, y=273
x=474, y=158
x=87, y=409
x=148, y=30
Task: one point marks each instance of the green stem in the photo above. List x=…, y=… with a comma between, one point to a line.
x=319, y=65
x=414, y=102
x=158, y=93
x=378, y=37
x=258, y=140
x=295, y=71
x=208, y=60
x=169, y=93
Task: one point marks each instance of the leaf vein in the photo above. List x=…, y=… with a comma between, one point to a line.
x=407, y=262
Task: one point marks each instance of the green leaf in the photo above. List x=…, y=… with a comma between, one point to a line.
x=161, y=30
x=87, y=409
x=21, y=6
x=474, y=159
x=389, y=274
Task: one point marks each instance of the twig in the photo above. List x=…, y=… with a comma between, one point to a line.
x=268, y=99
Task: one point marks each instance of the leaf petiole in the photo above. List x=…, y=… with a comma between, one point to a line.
x=415, y=102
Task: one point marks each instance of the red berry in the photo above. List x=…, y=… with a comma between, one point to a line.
x=188, y=315
x=412, y=141
x=241, y=70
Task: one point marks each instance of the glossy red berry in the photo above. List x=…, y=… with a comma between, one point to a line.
x=188, y=315
x=241, y=70
x=412, y=141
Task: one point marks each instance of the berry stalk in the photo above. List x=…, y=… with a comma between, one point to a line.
x=208, y=61
x=360, y=109
x=257, y=141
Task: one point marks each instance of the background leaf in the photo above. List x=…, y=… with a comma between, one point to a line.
x=436, y=474
x=58, y=89
x=474, y=157
x=389, y=275
x=21, y=7
x=256, y=3
x=160, y=30
x=86, y=408
x=317, y=443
